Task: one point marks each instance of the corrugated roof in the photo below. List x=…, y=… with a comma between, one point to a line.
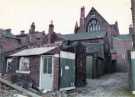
x=123, y=37
x=83, y=36
x=33, y=51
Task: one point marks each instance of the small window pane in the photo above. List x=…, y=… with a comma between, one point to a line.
x=9, y=65
x=45, y=65
x=49, y=65
x=93, y=25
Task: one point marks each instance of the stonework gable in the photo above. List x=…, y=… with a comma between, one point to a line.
x=94, y=22
x=93, y=14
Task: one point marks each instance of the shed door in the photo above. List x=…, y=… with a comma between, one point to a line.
x=67, y=63
x=89, y=63
x=46, y=73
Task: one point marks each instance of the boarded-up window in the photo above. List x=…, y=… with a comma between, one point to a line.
x=47, y=64
x=12, y=64
x=24, y=64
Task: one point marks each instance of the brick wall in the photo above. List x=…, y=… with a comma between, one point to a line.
x=121, y=47
x=56, y=74
x=34, y=68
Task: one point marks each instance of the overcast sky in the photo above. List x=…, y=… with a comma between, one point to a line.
x=19, y=14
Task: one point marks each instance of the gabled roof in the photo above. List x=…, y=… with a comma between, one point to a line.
x=83, y=36
x=96, y=13
x=33, y=51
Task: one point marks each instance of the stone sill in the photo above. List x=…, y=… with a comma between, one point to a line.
x=23, y=72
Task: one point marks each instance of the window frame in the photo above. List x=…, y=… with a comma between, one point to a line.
x=93, y=25
x=46, y=70
x=20, y=70
x=9, y=60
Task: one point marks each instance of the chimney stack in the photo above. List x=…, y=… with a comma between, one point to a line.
x=32, y=28
x=8, y=30
x=82, y=12
x=51, y=27
x=133, y=19
x=82, y=19
x=51, y=32
x=22, y=32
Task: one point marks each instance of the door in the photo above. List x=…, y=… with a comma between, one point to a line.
x=67, y=76
x=46, y=73
x=89, y=63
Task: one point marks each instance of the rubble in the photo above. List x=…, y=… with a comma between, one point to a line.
x=113, y=85
x=7, y=93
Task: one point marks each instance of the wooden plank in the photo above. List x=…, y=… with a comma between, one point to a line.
x=19, y=88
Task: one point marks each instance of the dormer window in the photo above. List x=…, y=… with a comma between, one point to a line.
x=93, y=26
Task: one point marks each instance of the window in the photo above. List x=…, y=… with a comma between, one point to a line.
x=93, y=26
x=123, y=56
x=47, y=64
x=9, y=64
x=24, y=65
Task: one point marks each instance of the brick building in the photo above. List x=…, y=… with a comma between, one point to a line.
x=43, y=68
x=117, y=44
x=101, y=42
x=122, y=44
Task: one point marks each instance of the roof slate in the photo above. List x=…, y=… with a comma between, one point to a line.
x=33, y=51
x=83, y=36
x=95, y=48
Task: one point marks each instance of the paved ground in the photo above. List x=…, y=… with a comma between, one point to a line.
x=113, y=85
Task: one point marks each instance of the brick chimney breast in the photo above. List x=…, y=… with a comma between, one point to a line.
x=82, y=12
x=82, y=19
x=50, y=33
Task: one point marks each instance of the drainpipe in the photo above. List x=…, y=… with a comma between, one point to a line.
x=133, y=19
x=59, y=79
x=132, y=53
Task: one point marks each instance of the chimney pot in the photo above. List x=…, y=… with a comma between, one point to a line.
x=8, y=30
x=22, y=32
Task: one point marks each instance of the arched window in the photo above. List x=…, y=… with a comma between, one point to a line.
x=93, y=26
